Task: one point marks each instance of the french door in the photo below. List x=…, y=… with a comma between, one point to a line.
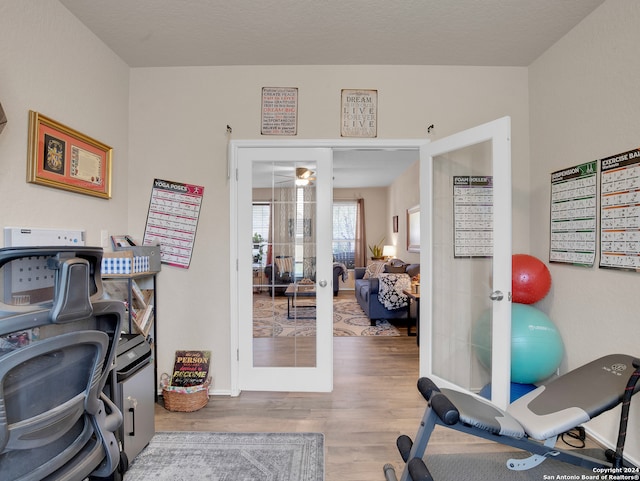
x=284, y=269
x=465, y=329
x=457, y=288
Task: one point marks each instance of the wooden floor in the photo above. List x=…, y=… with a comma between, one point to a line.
x=374, y=400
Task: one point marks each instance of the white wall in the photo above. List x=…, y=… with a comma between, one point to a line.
x=404, y=193
x=585, y=102
x=52, y=64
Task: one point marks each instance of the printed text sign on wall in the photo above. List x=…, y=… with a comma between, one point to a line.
x=619, y=211
x=279, y=111
x=574, y=215
x=172, y=220
x=359, y=113
x=473, y=216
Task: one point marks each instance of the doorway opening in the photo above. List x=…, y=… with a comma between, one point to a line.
x=360, y=171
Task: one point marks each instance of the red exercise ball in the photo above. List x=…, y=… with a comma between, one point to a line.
x=530, y=279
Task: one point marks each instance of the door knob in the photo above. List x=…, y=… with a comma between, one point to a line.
x=496, y=296
x=323, y=283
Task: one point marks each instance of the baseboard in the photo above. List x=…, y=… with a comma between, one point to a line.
x=220, y=392
x=606, y=444
x=212, y=392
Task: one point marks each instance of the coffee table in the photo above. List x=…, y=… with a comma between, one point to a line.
x=295, y=291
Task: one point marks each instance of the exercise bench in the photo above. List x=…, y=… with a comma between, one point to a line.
x=531, y=423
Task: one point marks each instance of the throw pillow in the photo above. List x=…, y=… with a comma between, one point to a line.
x=391, y=294
x=374, y=268
x=285, y=264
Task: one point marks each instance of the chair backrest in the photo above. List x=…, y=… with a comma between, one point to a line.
x=72, y=295
x=284, y=265
x=55, y=359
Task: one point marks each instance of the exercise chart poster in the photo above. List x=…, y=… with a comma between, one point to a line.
x=574, y=215
x=172, y=220
x=620, y=211
x=473, y=216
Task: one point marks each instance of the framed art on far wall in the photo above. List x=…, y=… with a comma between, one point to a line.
x=413, y=229
x=61, y=157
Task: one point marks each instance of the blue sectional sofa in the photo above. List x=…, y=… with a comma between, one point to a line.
x=366, y=292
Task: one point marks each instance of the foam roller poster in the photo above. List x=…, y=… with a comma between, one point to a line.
x=172, y=220
x=473, y=216
x=573, y=215
x=620, y=211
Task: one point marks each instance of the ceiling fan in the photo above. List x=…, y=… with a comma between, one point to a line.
x=301, y=177
x=304, y=176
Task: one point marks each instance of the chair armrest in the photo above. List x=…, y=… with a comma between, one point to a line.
x=374, y=285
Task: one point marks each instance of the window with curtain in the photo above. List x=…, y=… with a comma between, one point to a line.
x=261, y=220
x=345, y=214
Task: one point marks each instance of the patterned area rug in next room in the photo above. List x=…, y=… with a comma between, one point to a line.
x=270, y=318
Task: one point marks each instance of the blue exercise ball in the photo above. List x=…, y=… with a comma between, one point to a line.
x=536, y=345
x=516, y=391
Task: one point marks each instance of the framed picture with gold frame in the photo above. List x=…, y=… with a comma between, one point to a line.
x=61, y=157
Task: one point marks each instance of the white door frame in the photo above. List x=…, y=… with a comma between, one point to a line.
x=232, y=158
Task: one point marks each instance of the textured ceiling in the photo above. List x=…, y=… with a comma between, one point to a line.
x=162, y=33
x=165, y=33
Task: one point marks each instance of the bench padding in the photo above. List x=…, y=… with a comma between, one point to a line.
x=573, y=398
x=480, y=413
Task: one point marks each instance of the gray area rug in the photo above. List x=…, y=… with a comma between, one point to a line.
x=492, y=466
x=195, y=456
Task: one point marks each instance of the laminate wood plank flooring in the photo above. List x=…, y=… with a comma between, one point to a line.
x=374, y=400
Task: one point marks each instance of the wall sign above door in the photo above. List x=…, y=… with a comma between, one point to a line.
x=279, y=111
x=359, y=113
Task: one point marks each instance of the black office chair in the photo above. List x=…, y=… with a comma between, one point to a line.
x=56, y=356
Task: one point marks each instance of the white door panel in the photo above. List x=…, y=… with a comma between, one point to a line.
x=298, y=240
x=460, y=287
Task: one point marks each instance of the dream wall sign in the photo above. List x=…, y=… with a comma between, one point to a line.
x=359, y=113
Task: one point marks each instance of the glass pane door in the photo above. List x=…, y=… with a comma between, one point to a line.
x=468, y=251
x=462, y=262
x=286, y=330
x=283, y=297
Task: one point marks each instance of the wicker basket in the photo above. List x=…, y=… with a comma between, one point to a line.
x=196, y=398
